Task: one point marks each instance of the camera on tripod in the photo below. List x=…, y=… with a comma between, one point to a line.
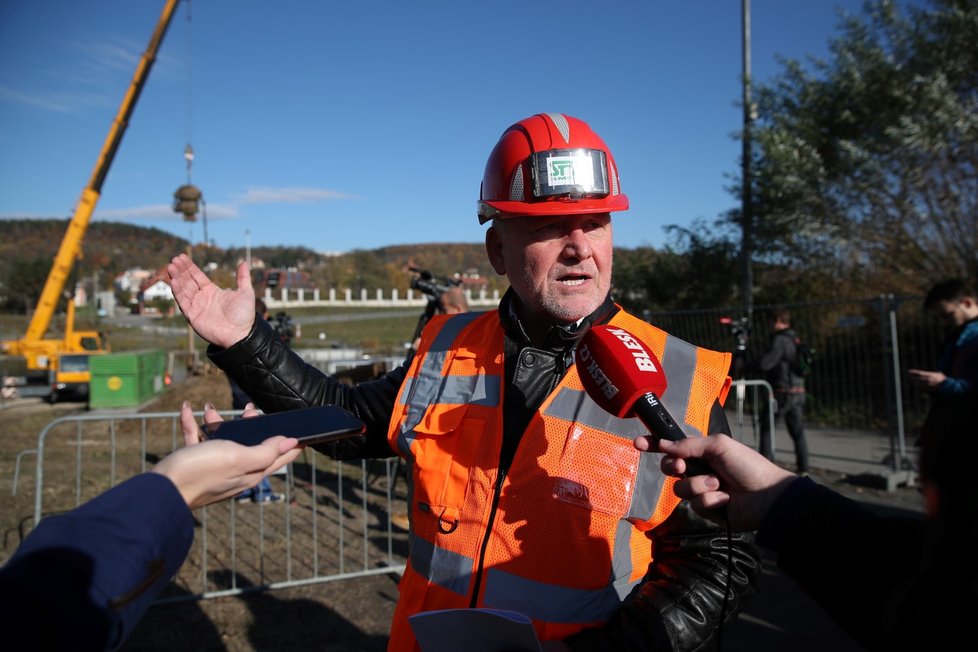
x=427, y=283
x=740, y=328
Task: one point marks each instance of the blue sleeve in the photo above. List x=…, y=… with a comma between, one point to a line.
x=960, y=364
x=83, y=579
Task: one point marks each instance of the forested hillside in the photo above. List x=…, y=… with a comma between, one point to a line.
x=28, y=247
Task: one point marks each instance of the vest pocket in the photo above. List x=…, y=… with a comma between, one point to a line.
x=444, y=450
x=597, y=471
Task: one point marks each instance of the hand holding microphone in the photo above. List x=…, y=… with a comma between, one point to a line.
x=625, y=378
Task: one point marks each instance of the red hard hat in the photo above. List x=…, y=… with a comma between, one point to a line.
x=549, y=164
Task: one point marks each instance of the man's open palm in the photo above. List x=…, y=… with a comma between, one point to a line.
x=220, y=316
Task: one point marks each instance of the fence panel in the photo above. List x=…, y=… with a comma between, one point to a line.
x=854, y=380
x=334, y=524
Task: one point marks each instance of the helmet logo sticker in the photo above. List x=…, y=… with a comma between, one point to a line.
x=574, y=170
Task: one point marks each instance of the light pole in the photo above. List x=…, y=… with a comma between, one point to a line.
x=746, y=210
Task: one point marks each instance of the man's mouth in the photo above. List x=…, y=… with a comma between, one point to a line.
x=573, y=280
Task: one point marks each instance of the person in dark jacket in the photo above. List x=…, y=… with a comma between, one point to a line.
x=953, y=385
x=551, y=236
x=892, y=583
x=789, y=388
x=82, y=580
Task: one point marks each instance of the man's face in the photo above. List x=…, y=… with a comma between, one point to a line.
x=559, y=266
x=953, y=314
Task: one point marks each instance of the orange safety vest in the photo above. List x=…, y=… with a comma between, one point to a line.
x=565, y=539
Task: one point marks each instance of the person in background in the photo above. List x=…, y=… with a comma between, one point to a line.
x=789, y=388
x=892, y=583
x=262, y=492
x=83, y=579
x=509, y=460
x=450, y=302
x=953, y=386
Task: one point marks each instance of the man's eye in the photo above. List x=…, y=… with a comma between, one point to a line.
x=547, y=230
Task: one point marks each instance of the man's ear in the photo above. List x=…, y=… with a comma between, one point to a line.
x=494, y=249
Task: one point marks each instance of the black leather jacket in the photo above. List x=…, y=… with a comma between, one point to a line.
x=680, y=602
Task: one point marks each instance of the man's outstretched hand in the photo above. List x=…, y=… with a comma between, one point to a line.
x=222, y=317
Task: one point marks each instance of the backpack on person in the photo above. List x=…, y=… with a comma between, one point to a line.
x=804, y=358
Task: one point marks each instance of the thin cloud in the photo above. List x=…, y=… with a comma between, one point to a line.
x=92, y=79
x=164, y=212
x=26, y=215
x=106, y=56
x=37, y=101
x=290, y=196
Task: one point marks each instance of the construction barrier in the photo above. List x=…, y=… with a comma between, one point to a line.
x=335, y=522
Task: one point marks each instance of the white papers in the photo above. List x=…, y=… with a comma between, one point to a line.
x=474, y=630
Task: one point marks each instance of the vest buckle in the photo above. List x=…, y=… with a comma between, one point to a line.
x=442, y=524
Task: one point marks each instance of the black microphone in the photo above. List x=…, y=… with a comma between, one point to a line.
x=625, y=378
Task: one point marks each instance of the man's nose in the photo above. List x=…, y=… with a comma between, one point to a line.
x=577, y=245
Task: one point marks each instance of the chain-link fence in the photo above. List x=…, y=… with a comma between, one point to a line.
x=863, y=350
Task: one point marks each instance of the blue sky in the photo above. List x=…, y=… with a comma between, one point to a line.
x=343, y=125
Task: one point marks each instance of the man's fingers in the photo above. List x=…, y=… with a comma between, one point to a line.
x=198, y=276
x=244, y=276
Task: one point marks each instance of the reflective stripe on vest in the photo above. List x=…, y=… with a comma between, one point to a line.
x=421, y=391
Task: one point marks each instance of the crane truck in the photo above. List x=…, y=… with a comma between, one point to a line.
x=42, y=355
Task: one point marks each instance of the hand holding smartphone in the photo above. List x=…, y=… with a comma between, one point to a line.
x=314, y=425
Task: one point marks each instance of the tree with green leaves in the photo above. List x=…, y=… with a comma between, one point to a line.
x=867, y=162
x=24, y=283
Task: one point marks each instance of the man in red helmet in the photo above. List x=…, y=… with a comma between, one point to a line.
x=525, y=494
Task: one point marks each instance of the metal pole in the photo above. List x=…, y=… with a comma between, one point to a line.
x=900, y=453
x=747, y=217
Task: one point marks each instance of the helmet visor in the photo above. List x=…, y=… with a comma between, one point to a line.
x=574, y=173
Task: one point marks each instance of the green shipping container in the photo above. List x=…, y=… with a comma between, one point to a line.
x=126, y=379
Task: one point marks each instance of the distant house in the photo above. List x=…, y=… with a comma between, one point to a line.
x=129, y=282
x=158, y=290
x=154, y=288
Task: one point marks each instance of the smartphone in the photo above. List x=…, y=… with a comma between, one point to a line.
x=314, y=425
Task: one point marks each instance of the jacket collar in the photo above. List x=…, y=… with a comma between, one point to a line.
x=560, y=336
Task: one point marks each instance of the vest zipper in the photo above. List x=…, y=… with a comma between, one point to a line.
x=561, y=365
x=485, y=540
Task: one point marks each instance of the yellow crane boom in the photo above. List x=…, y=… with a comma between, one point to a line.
x=40, y=352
